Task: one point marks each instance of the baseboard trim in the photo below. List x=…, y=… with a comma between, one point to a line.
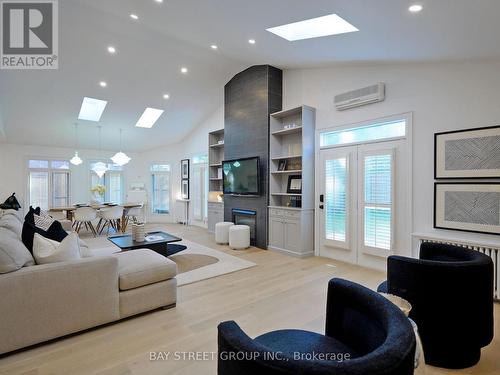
x=291, y=253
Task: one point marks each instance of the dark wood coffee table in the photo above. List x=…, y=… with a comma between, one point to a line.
x=125, y=242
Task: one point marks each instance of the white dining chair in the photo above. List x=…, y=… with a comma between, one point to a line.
x=136, y=214
x=110, y=218
x=85, y=216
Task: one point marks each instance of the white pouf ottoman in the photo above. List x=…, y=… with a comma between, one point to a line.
x=222, y=232
x=239, y=237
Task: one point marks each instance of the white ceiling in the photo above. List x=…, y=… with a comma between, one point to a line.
x=40, y=107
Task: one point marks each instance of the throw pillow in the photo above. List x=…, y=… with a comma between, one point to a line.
x=10, y=203
x=48, y=251
x=55, y=231
x=13, y=254
x=12, y=223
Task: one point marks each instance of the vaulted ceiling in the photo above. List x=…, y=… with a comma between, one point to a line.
x=41, y=106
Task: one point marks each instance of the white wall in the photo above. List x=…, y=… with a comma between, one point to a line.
x=193, y=144
x=442, y=96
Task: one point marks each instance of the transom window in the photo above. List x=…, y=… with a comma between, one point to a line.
x=361, y=134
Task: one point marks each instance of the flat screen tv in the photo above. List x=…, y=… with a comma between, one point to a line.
x=241, y=176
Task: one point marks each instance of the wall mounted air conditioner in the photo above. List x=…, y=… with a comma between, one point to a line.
x=356, y=98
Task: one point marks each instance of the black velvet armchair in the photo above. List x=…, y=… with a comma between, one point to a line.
x=450, y=289
x=365, y=334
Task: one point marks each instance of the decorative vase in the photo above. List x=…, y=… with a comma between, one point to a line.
x=138, y=232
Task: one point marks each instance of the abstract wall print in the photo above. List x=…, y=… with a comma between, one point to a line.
x=470, y=207
x=185, y=169
x=471, y=153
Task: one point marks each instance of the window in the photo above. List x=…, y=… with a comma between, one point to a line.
x=335, y=199
x=200, y=187
x=48, y=183
x=377, y=202
x=373, y=132
x=160, y=181
x=112, y=181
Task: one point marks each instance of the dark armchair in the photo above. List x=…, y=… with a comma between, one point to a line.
x=450, y=289
x=365, y=334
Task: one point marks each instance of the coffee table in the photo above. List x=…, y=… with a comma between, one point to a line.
x=125, y=242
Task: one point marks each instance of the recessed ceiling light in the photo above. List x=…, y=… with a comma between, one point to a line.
x=184, y=70
x=92, y=109
x=111, y=49
x=213, y=46
x=159, y=1
x=415, y=8
x=103, y=84
x=166, y=96
x=251, y=41
x=331, y=24
x=149, y=118
x=134, y=16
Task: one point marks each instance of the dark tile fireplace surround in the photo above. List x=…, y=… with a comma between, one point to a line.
x=249, y=98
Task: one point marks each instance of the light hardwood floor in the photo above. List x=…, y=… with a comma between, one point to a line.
x=281, y=292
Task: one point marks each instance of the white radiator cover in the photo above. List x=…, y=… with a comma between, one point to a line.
x=490, y=249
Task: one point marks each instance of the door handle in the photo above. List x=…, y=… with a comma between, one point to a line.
x=321, y=198
x=321, y=206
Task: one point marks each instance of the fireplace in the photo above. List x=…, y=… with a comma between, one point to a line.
x=246, y=217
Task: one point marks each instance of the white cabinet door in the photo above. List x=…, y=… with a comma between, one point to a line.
x=292, y=240
x=276, y=232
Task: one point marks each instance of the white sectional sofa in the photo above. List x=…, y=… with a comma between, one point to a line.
x=43, y=302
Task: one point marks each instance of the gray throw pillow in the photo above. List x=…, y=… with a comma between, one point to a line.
x=13, y=253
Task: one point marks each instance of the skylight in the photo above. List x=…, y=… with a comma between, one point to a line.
x=92, y=109
x=313, y=28
x=149, y=118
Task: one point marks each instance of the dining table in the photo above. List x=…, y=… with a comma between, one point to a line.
x=123, y=221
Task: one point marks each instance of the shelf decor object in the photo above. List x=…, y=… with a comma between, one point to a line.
x=470, y=153
x=469, y=207
x=294, y=185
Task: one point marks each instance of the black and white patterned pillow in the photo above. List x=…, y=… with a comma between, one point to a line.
x=43, y=221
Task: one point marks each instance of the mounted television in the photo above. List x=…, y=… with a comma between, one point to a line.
x=241, y=176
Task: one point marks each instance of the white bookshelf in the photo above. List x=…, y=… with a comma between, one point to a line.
x=215, y=212
x=291, y=228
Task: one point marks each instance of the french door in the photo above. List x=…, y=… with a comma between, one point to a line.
x=363, y=199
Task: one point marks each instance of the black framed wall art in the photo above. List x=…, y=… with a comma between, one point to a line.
x=471, y=153
x=469, y=207
x=185, y=169
x=185, y=189
x=294, y=185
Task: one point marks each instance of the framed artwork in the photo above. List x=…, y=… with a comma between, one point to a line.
x=185, y=168
x=185, y=189
x=469, y=207
x=294, y=185
x=471, y=153
x=282, y=165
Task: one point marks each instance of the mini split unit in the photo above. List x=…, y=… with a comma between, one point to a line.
x=359, y=97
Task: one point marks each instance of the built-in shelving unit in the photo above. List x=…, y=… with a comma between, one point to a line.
x=215, y=212
x=291, y=214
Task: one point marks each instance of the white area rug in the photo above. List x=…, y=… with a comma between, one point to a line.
x=226, y=264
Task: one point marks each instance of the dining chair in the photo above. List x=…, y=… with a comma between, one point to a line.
x=110, y=218
x=85, y=216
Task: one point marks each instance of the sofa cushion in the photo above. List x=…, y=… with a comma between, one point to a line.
x=48, y=251
x=141, y=267
x=12, y=223
x=13, y=253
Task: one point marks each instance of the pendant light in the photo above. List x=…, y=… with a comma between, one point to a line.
x=120, y=158
x=75, y=160
x=100, y=168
